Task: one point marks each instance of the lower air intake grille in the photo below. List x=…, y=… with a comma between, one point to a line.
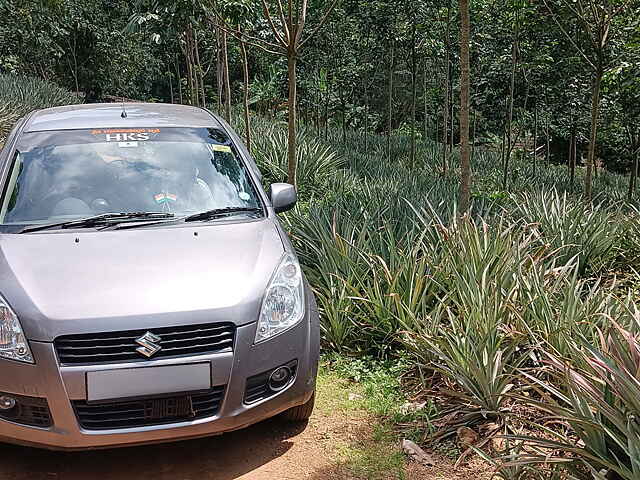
x=258, y=388
x=112, y=347
x=148, y=411
x=32, y=411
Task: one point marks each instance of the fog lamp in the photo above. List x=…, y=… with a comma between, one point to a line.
x=279, y=378
x=7, y=402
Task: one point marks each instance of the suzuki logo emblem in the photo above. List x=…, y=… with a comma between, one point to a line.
x=148, y=344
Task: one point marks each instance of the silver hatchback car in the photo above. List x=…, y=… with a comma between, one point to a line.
x=148, y=292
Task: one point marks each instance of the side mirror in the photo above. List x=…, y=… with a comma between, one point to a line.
x=283, y=196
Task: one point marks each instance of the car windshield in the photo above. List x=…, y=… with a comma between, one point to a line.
x=60, y=175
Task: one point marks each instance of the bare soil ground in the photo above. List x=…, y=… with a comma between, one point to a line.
x=338, y=442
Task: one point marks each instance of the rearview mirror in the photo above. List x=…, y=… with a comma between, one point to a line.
x=283, y=196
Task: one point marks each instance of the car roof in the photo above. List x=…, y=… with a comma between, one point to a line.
x=109, y=115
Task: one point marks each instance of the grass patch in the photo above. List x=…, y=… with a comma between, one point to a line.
x=377, y=457
x=381, y=385
x=371, y=388
x=370, y=392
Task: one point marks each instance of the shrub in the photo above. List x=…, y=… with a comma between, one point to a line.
x=19, y=95
x=318, y=164
x=510, y=293
x=597, y=394
x=570, y=227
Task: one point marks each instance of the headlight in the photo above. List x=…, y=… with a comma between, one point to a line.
x=13, y=343
x=283, y=304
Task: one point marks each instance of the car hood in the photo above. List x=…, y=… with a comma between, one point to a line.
x=90, y=281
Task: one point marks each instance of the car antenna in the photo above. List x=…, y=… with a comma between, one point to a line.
x=124, y=112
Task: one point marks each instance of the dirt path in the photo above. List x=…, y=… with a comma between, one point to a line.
x=337, y=443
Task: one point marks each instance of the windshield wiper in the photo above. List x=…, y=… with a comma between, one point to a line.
x=104, y=218
x=220, y=212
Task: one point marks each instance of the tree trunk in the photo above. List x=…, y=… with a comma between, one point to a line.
x=75, y=63
x=633, y=173
x=366, y=117
x=203, y=96
x=413, y=95
x=225, y=74
x=436, y=133
x=192, y=79
x=179, y=80
x=452, y=114
x=326, y=113
x=171, y=86
x=343, y=109
x=548, y=140
x=425, y=126
x=636, y=158
x=465, y=164
x=595, y=108
x=219, y=69
x=507, y=158
x=445, y=118
x=632, y=178
x=535, y=138
x=390, y=103
x=572, y=154
x=318, y=102
x=245, y=99
x=473, y=143
x=187, y=59
x=291, y=152
x=447, y=82
x=502, y=146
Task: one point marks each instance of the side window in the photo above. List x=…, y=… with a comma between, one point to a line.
x=9, y=138
x=12, y=188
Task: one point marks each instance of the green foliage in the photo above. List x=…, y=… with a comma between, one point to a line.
x=381, y=385
x=81, y=45
x=20, y=95
x=597, y=394
x=473, y=302
x=572, y=229
x=317, y=163
x=372, y=453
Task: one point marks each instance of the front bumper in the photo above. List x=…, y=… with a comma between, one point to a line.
x=60, y=385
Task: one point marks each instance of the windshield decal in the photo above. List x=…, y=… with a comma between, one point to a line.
x=165, y=197
x=122, y=135
x=222, y=148
x=124, y=130
x=115, y=136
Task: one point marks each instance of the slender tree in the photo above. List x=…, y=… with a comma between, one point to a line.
x=245, y=97
x=447, y=86
x=414, y=68
x=390, y=100
x=465, y=163
x=225, y=76
x=287, y=26
x=512, y=87
x=596, y=19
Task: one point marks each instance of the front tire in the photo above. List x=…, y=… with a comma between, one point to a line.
x=301, y=413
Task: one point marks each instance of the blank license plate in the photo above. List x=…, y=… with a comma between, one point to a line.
x=145, y=381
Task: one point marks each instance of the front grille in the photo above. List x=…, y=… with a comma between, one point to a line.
x=111, y=347
x=148, y=411
x=32, y=411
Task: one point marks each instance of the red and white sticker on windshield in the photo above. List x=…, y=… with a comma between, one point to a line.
x=126, y=134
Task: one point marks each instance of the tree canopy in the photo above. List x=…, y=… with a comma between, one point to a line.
x=368, y=65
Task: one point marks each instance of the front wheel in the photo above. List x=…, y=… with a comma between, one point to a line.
x=301, y=412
